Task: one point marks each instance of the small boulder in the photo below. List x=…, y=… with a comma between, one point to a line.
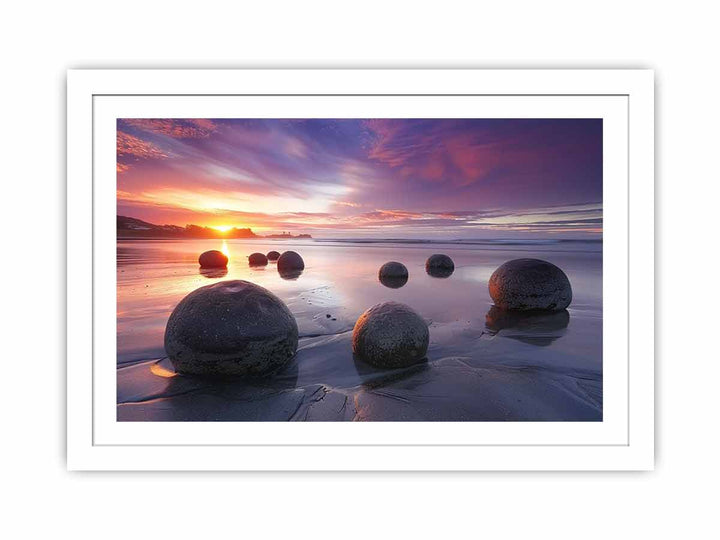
x=390, y=335
x=273, y=255
x=258, y=259
x=290, y=262
x=230, y=328
x=213, y=259
x=393, y=274
x=528, y=284
x=439, y=265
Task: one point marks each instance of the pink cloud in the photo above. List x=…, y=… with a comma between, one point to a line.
x=435, y=155
x=192, y=128
x=131, y=146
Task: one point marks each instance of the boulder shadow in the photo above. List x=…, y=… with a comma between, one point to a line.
x=231, y=387
x=533, y=327
x=202, y=398
x=374, y=378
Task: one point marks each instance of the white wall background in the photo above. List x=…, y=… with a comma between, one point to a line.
x=40, y=40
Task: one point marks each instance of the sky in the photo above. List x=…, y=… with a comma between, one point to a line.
x=366, y=178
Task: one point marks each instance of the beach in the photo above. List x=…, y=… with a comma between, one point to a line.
x=482, y=365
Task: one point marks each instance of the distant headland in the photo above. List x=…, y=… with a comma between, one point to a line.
x=128, y=227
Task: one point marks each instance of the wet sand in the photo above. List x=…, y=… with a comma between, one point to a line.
x=482, y=365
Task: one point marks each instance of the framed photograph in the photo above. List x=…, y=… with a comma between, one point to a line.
x=360, y=270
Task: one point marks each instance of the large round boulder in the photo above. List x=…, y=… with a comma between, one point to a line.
x=393, y=274
x=230, y=328
x=273, y=255
x=213, y=259
x=439, y=265
x=390, y=335
x=257, y=259
x=528, y=284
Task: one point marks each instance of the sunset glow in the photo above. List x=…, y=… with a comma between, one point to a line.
x=455, y=178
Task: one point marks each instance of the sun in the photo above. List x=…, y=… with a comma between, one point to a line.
x=222, y=228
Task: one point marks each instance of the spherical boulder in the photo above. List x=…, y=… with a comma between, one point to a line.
x=290, y=262
x=393, y=274
x=439, y=265
x=273, y=255
x=230, y=328
x=213, y=259
x=529, y=284
x=258, y=259
x=390, y=335
x=393, y=269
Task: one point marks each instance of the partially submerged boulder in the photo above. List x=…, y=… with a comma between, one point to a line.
x=390, y=335
x=530, y=284
x=230, y=328
x=273, y=255
x=213, y=259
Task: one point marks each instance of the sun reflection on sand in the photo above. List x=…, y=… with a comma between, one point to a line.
x=161, y=371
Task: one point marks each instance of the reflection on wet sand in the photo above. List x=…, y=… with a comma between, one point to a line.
x=496, y=367
x=533, y=327
x=374, y=378
x=214, y=273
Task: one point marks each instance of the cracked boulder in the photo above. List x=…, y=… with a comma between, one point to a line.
x=231, y=328
x=530, y=284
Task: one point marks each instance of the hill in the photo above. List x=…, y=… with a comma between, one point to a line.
x=128, y=227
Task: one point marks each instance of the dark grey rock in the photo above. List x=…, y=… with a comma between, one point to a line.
x=290, y=261
x=230, y=328
x=257, y=259
x=393, y=274
x=213, y=259
x=527, y=284
x=273, y=255
x=439, y=265
x=390, y=335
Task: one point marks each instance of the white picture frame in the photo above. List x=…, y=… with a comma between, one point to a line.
x=623, y=441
